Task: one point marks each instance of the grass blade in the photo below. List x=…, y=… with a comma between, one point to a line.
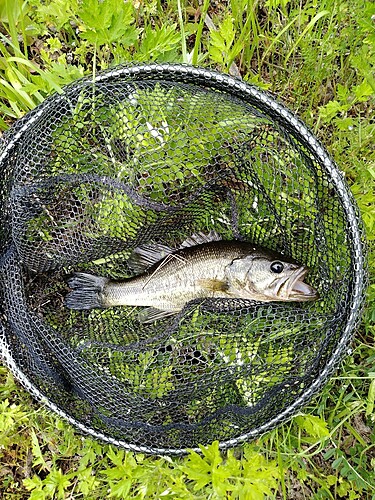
x=313, y=21
x=276, y=39
x=44, y=74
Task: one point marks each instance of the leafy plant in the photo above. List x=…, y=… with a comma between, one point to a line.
x=107, y=22
x=223, y=46
x=252, y=477
x=159, y=43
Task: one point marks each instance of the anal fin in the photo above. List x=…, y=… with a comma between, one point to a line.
x=151, y=314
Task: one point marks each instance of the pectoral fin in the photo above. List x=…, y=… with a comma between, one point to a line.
x=213, y=285
x=151, y=314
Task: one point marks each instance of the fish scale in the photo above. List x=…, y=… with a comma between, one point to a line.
x=212, y=268
x=175, y=280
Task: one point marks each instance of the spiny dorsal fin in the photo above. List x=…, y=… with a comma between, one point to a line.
x=149, y=254
x=145, y=256
x=200, y=238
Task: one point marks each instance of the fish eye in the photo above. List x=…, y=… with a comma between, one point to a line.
x=277, y=267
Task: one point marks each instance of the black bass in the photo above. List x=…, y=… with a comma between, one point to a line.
x=204, y=266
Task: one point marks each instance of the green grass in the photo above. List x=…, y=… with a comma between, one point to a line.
x=319, y=58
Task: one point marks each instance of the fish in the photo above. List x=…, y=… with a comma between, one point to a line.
x=203, y=266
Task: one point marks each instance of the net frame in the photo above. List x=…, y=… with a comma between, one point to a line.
x=296, y=128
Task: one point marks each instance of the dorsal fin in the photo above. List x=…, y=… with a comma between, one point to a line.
x=146, y=256
x=200, y=238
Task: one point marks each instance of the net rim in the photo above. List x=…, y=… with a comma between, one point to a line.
x=212, y=79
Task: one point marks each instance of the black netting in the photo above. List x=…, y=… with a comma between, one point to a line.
x=152, y=155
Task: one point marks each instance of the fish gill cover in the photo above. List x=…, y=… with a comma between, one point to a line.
x=148, y=157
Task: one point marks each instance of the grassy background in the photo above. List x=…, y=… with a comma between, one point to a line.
x=317, y=57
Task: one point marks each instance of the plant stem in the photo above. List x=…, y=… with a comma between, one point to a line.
x=182, y=30
x=199, y=32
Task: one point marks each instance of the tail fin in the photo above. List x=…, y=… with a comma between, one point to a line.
x=87, y=291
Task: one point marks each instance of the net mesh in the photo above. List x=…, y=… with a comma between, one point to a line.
x=154, y=154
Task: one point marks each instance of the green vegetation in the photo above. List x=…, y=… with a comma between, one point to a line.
x=156, y=129
x=319, y=58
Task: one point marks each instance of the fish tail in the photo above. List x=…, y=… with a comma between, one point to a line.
x=87, y=291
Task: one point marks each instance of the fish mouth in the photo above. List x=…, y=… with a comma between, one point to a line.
x=294, y=288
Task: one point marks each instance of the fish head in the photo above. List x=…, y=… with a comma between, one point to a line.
x=269, y=277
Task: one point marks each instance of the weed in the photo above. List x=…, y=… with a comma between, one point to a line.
x=319, y=57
